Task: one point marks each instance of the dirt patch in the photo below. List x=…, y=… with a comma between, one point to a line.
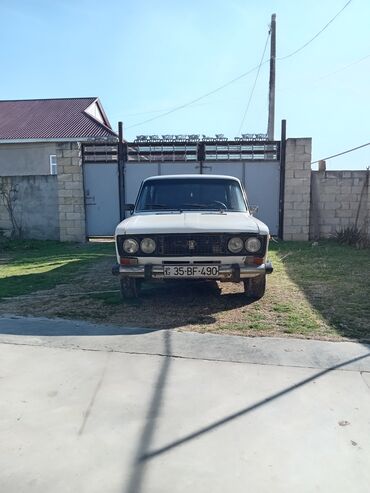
x=204, y=307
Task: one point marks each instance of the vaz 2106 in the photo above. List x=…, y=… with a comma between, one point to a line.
x=197, y=227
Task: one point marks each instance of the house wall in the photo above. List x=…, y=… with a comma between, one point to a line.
x=48, y=206
x=35, y=207
x=340, y=199
x=26, y=159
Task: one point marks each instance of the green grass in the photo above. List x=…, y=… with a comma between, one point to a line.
x=318, y=291
x=335, y=281
x=29, y=266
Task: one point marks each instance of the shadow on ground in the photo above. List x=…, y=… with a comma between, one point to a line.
x=38, y=265
x=145, y=451
x=175, y=304
x=161, y=306
x=335, y=280
x=59, y=328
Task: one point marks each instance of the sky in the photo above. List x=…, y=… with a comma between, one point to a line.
x=143, y=58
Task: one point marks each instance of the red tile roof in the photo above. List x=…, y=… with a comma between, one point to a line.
x=52, y=119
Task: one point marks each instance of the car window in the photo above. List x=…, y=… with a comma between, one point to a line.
x=191, y=194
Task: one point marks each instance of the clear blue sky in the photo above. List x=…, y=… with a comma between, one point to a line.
x=144, y=57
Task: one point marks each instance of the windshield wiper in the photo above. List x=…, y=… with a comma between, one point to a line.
x=208, y=206
x=156, y=206
x=195, y=206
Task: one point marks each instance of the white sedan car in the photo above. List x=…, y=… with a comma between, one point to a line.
x=192, y=227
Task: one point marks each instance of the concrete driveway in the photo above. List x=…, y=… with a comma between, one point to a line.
x=87, y=408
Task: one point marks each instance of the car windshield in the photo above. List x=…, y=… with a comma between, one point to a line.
x=191, y=194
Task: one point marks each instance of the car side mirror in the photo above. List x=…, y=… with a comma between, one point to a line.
x=129, y=207
x=253, y=209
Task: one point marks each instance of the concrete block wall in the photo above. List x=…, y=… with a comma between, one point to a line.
x=71, y=192
x=297, y=189
x=340, y=199
x=35, y=207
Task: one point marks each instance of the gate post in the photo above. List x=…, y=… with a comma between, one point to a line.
x=201, y=155
x=122, y=157
x=282, y=178
x=71, y=196
x=297, y=192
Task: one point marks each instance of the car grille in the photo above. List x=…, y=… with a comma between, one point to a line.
x=192, y=244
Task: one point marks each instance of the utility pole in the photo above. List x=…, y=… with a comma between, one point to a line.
x=271, y=120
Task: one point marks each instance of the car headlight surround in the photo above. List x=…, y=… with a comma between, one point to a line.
x=235, y=244
x=253, y=244
x=130, y=245
x=148, y=245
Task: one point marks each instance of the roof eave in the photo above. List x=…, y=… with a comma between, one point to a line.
x=113, y=138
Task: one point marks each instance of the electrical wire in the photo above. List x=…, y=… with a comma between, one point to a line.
x=342, y=68
x=254, y=85
x=316, y=35
x=298, y=86
x=177, y=108
x=341, y=153
x=238, y=101
x=241, y=76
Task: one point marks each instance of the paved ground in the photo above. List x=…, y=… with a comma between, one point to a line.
x=86, y=408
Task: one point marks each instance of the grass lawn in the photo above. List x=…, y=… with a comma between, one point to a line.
x=315, y=291
x=29, y=266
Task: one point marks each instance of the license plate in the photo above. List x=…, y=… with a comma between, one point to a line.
x=190, y=271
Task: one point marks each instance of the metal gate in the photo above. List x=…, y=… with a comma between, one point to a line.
x=100, y=172
x=256, y=162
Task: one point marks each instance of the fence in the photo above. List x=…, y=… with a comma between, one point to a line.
x=310, y=204
x=33, y=203
x=339, y=199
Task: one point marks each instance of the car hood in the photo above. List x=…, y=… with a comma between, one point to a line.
x=191, y=222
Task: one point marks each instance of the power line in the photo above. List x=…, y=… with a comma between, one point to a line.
x=177, y=108
x=254, y=85
x=343, y=68
x=341, y=153
x=238, y=101
x=128, y=115
x=316, y=35
x=241, y=76
x=329, y=74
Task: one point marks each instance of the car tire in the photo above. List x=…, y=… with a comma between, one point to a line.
x=255, y=287
x=130, y=288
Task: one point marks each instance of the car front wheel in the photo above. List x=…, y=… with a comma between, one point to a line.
x=255, y=287
x=130, y=288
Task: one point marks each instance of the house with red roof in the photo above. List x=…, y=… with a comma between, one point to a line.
x=31, y=129
x=41, y=166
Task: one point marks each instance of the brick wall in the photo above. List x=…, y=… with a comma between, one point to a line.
x=71, y=192
x=339, y=199
x=297, y=189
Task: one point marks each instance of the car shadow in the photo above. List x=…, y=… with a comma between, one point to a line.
x=161, y=306
x=178, y=304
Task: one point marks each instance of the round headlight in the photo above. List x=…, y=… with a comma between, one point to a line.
x=147, y=245
x=130, y=245
x=235, y=245
x=252, y=245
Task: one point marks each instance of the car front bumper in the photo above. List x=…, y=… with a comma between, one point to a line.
x=227, y=272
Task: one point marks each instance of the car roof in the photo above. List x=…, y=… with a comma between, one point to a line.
x=200, y=177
